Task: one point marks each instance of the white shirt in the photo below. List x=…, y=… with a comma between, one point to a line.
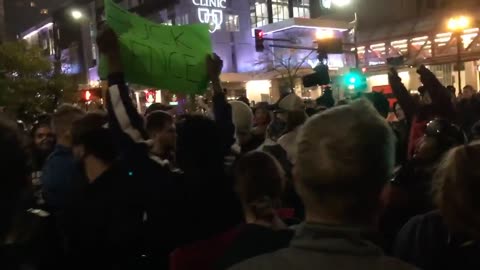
x=289, y=144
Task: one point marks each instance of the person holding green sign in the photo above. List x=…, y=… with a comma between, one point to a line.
x=161, y=56
x=202, y=194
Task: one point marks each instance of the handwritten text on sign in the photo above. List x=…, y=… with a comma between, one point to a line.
x=167, y=57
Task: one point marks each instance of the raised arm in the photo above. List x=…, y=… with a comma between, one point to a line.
x=438, y=93
x=401, y=93
x=125, y=121
x=221, y=109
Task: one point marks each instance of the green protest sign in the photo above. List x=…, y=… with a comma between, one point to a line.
x=166, y=57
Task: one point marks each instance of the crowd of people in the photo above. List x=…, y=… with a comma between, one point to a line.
x=277, y=186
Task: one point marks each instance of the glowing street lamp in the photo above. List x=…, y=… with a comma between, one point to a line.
x=76, y=14
x=341, y=3
x=457, y=25
x=324, y=34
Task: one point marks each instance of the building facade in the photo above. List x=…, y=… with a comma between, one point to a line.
x=415, y=30
x=260, y=75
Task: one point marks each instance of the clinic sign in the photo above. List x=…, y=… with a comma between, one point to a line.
x=211, y=12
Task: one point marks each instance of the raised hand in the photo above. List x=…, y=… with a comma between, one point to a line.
x=214, y=67
x=393, y=75
x=108, y=45
x=107, y=41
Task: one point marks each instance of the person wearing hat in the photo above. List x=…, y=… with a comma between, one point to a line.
x=242, y=117
x=291, y=110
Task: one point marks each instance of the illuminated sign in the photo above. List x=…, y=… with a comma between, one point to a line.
x=211, y=12
x=210, y=3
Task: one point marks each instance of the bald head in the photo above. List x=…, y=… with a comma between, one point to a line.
x=345, y=156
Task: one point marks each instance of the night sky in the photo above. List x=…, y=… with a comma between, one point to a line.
x=20, y=16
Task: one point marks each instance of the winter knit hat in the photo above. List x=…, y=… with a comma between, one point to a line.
x=242, y=117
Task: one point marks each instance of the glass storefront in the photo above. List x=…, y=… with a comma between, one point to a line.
x=280, y=11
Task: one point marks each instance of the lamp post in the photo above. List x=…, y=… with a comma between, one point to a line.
x=457, y=25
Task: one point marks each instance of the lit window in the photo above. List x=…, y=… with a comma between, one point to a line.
x=280, y=10
x=182, y=20
x=44, y=11
x=232, y=24
x=301, y=9
x=259, y=14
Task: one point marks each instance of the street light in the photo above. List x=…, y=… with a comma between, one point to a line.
x=341, y=3
x=324, y=34
x=457, y=25
x=344, y=3
x=76, y=14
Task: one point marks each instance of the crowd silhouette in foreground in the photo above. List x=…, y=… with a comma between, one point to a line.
x=277, y=186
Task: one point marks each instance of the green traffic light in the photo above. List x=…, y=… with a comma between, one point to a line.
x=354, y=80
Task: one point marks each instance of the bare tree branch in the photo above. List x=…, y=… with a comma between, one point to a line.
x=303, y=61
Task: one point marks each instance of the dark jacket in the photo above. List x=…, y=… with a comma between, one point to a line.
x=426, y=242
x=318, y=246
x=230, y=247
x=251, y=241
x=210, y=203
x=173, y=201
x=203, y=254
x=468, y=113
x=401, y=131
x=33, y=243
x=154, y=188
x=104, y=223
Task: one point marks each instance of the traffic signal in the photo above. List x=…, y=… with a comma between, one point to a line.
x=150, y=96
x=91, y=94
x=259, y=39
x=87, y=95
x=355, y=80
x=329, y=46
x=320, y=77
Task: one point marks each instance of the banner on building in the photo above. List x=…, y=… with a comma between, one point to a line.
x=161, y=56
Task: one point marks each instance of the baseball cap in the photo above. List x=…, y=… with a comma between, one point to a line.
x=289, y=103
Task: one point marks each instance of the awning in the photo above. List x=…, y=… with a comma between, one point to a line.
x=306, y=23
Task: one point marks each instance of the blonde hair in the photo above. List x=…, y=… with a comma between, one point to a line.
x=64, y=117
x=455, y=189
x=345, y=156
